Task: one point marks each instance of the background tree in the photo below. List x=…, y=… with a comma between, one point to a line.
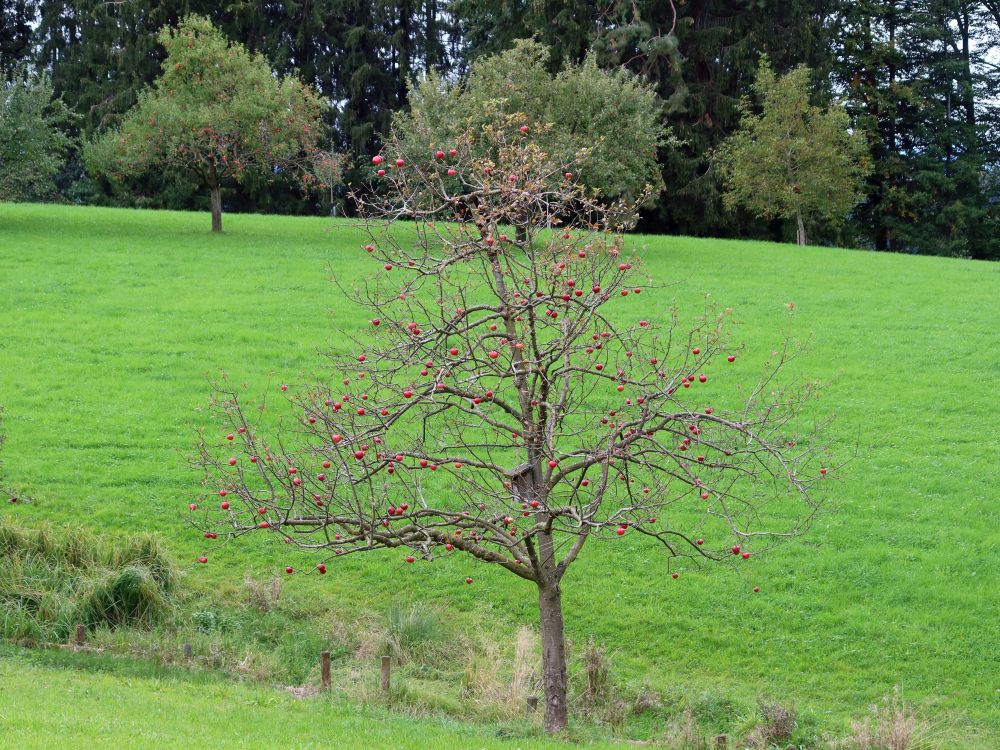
x=583, y=107
x=17, y=17
x=919, y=79
x=921, y=83
x=702, y=57
x=325, y=175
x=508, y=402
x=566, y=29
x=33, y=138
x=217, y=112
x=793, y=160
x=699, y=56
x=359, y=54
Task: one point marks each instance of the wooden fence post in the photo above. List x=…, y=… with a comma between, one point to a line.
x=324, y=669
x=386, y=667
x=532, y=703
x=81, y=635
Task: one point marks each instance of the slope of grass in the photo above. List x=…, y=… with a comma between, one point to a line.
x=85, y=702
x=112, y=323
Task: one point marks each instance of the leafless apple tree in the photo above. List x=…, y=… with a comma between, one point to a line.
x=518, y=393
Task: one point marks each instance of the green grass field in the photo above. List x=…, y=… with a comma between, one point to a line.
x=112, y=323
x=92, y=702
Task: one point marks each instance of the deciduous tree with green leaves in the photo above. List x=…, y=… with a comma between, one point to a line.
x=218, y=112
x=33, y=138
x=611, y=115
x=792, y=160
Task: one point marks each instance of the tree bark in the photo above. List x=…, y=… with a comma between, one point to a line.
x=216, y=198
x=553, y=656
x=800, y=230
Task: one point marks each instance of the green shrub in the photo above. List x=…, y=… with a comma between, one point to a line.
x=130, y=596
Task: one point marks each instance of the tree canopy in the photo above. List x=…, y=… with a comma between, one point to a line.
x=514, y=401
x=792, y=159
x=218, y=112
x=583, y=107
x=918, y=79
x=33, y=137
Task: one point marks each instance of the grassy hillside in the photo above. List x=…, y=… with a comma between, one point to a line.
x=111, y=323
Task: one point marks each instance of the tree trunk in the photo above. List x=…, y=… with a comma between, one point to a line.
x=800, y=231
x=216, y=198
x=554, y=677
x=521, y=235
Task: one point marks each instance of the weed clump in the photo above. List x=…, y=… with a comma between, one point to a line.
x=51, y=579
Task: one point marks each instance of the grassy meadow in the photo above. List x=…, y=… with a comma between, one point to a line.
x=99, y=702
x=113, y=323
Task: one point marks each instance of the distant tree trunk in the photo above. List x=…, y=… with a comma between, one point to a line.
x=800, y=231
x=216, y=198
x=553, y=656
x=406, y=39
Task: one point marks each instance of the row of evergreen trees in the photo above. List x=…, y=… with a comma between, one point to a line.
x=920, y=79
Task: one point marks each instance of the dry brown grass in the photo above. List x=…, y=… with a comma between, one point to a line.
x=418, y=634
x=646, y=700
x=595, y=662
x=892, y=725
x=526, y=667
x=491, y=687
x=777, y=724
x=683, y=733
x=264, y=595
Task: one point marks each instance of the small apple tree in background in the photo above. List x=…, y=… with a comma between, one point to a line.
x=218, y=112
x=512, y=401
x=326, y=174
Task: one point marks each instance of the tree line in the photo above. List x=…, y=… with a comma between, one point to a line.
x=917, y=79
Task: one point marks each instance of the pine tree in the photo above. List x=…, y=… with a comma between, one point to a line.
x=16, y=20
x=918, y=87
x=568, y=28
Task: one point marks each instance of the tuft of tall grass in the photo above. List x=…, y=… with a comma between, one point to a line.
x=129, y=597
x=417, y=633
x=54, y=578
x=893, y=725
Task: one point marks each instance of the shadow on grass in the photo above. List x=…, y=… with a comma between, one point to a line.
x=121, y=665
